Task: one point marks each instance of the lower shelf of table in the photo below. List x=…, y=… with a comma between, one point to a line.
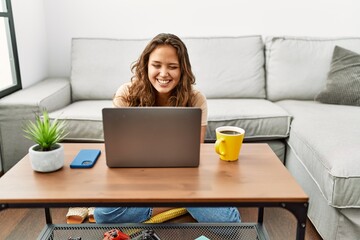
x=173, y=231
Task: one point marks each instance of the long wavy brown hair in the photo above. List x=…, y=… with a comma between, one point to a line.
x=142, y=93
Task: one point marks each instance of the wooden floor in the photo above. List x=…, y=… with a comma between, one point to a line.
x=28, y=223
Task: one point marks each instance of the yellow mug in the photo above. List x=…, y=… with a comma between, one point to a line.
x=228, y=143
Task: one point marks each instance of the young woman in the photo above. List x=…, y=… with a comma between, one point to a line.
x=163, y=77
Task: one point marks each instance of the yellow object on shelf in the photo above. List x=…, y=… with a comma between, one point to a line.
x=160, y=218
x=167, y=215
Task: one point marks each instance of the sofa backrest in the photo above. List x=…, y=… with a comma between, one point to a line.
x=297, y=68
x=228, y=67
x=100, y=66
x=224, y=67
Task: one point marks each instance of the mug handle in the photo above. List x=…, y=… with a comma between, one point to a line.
x=218, y=144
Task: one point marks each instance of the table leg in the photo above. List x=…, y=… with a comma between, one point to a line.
x=48, y=216
x=3, y=206
x=260, y=214
x=300, y=212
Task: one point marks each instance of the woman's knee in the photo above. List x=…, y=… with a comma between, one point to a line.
x=121, y=215
x=216, y=215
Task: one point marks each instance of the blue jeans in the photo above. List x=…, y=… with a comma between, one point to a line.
x=139, y=214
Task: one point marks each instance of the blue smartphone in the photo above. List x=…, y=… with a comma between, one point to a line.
x=86, y=158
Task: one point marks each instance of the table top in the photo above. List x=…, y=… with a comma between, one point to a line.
x=258, y=176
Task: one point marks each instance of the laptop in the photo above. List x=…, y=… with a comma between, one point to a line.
x=152, y=136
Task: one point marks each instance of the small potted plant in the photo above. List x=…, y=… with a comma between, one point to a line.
x=47, y=155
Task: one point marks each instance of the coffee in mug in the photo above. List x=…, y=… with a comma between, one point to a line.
x=230, y=132
x=228, y=143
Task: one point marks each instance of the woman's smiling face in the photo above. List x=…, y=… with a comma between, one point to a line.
x=164, y=70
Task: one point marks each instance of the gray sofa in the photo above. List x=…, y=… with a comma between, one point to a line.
x=265, y=85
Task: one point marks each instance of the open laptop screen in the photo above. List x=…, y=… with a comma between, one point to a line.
x=152, y=136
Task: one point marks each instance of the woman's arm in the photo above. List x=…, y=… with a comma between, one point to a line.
x=200, y=102
x=203, y=132
x=123, y=91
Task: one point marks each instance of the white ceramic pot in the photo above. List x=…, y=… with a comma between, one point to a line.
x=46, y=161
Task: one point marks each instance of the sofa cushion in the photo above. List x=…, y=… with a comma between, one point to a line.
x=297, y=68
x=261, y=119
x=100, y=66
x=325, y=138
x=343, y=83
x=228, y=67
x=84, y=119
x=224, y=67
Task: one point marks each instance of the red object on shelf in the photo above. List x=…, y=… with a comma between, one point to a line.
x=115, y=234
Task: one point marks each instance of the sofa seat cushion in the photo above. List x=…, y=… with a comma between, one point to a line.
x=326, y=139
x=261, y=119
x=84, y=119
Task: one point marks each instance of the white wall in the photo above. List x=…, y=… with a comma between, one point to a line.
x=66, y=19
x=31, y=40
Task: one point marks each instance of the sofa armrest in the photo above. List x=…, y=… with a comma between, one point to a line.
x=51, y=93
x=19, y=107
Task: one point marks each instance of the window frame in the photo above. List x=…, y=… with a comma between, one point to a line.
x=7, y=13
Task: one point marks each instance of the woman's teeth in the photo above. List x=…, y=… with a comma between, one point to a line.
x=163, y=81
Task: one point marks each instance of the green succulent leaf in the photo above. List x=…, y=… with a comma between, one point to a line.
x=44, y=132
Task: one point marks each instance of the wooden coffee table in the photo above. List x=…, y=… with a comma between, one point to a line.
x=257, y=179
